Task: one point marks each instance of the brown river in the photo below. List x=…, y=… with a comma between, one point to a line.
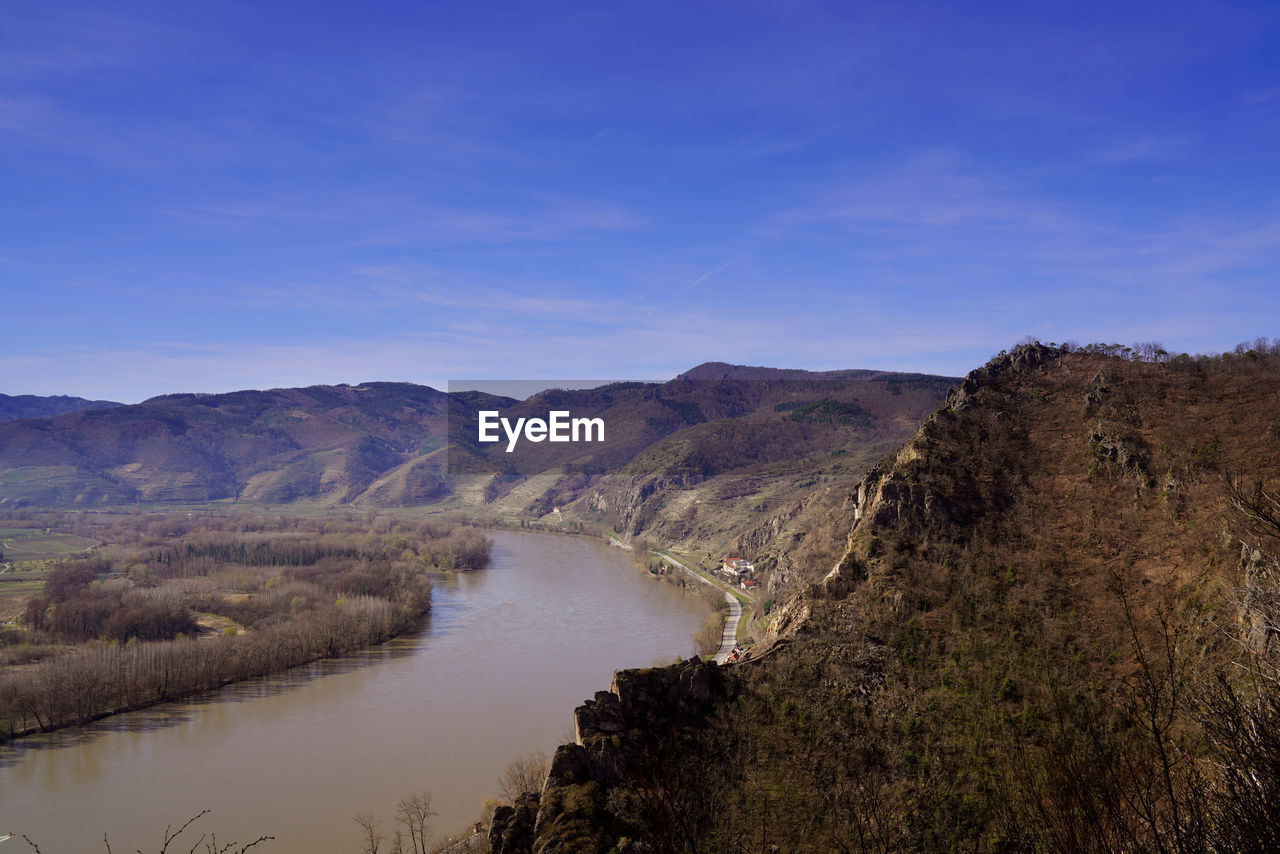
x=495, y=673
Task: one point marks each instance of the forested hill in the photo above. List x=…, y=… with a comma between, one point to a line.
x=1053, y=629
x=14, y=407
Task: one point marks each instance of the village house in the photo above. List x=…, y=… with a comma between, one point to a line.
x=736, y=568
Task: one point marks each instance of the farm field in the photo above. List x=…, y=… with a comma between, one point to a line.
x=31, y=544
x=15, y=589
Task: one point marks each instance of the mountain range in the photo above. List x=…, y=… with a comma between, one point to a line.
x=396, y=444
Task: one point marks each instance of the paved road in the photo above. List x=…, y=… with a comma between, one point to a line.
x=728, y=638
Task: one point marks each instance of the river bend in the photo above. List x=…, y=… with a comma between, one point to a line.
x=504, y=657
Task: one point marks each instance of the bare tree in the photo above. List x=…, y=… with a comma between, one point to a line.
x=1257, y=511
x=370, y=837
x=1240, y=709
x=524, y=774
x=211, y=844
x=415, y=812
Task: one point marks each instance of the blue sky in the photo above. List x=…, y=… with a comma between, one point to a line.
x=221, y=195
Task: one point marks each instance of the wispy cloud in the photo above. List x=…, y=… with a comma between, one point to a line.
x=386, y=220
x=36, y=118
x=45, y=41
x=546, y=220
x=622, y=344
x=404, y=289
x=1010, y=227
x=1145, y=149
x=718, y=270
x=931, y=191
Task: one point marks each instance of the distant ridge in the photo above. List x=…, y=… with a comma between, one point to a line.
x=16, y=407
x=710, y=371
x=278, y=446
x=383, y=443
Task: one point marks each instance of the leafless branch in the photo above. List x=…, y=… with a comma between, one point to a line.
x=169, y=837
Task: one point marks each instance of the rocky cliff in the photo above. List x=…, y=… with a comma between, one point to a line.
x=612, y=789
x=1050, y=630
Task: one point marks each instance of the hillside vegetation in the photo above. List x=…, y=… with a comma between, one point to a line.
x=172, y=605
x=720, y=459
x=1054, y=628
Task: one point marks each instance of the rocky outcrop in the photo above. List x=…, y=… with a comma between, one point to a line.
x=892, y=494
x=755, y=540
x=788, y=620
x=1257, y=600
x=1114, y=437
x=512, y=828
x=633, y=502
x=1021, y=359
x=625, y=738
x=1113, y=443
x=895, y=499
x=1097, y=393
x=915, y=493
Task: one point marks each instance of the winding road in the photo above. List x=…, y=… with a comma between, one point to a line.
x=729, y=638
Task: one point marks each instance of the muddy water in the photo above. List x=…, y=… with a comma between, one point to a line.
x=506, y=655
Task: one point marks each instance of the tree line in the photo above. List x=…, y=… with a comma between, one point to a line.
x=145, y=621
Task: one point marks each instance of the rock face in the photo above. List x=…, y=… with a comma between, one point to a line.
x=601, y=791
x=917, y=493
x=1109, y=445
x=1256, y=602
x=512, y=828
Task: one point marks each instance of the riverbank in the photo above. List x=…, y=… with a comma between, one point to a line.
x=496, y=671
x=135, y=626
x=104, y=680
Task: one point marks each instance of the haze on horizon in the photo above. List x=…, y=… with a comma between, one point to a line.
x=226, y=196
